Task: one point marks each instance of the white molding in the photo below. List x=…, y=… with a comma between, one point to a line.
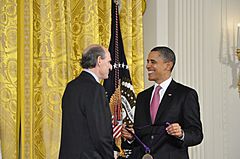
x=202, y=34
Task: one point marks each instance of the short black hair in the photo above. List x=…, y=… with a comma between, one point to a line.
x=90, y=56
x=166, y=54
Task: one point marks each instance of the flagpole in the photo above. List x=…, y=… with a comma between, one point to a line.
x=118, y=86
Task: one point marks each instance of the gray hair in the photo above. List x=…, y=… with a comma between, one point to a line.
x=90, y=56
x=166, y=54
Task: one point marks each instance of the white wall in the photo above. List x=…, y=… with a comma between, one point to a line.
x=203, y=35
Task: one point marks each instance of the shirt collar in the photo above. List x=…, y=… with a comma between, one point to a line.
x=164, y=85
x=93, y=74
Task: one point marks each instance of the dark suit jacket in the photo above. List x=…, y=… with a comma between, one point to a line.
x=86, y=121
x=179, y=104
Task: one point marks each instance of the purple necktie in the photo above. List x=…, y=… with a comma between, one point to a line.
x=155, y=103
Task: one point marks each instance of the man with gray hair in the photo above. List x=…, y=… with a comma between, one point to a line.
x=86, y=116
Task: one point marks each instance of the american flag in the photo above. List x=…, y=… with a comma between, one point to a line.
x=117, y=127
x=118, y=86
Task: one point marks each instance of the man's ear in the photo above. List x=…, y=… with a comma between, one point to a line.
x=99, y=60
x=169, y=66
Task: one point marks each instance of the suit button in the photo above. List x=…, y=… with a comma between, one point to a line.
x=152, y=137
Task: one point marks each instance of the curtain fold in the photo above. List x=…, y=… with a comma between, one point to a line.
x=40, y=47
x=132, y=32
x=8, y=79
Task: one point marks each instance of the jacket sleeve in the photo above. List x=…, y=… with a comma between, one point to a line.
x=192, y=125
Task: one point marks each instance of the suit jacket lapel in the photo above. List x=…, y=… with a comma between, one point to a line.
x=147, y=104
x=166, y=100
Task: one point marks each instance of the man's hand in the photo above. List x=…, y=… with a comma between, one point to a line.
x=174, y=129
x=126, y=134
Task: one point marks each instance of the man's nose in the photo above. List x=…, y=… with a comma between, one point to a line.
x=147, y=65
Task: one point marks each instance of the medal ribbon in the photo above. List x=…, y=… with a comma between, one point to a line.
x=146, y=148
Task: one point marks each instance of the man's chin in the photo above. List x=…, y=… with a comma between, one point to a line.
x=151, y=79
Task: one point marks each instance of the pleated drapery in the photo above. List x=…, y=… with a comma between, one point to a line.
x=40, y=47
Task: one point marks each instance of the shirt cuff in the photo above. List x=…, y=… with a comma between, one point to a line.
x=182, y=138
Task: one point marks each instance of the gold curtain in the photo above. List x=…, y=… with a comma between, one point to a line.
x=8, y=80
x=40, y=46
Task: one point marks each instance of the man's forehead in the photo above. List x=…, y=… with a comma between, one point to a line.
x=153, y=56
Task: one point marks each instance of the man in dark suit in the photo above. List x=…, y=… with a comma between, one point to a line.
x=86, y=116
x=176, y=125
